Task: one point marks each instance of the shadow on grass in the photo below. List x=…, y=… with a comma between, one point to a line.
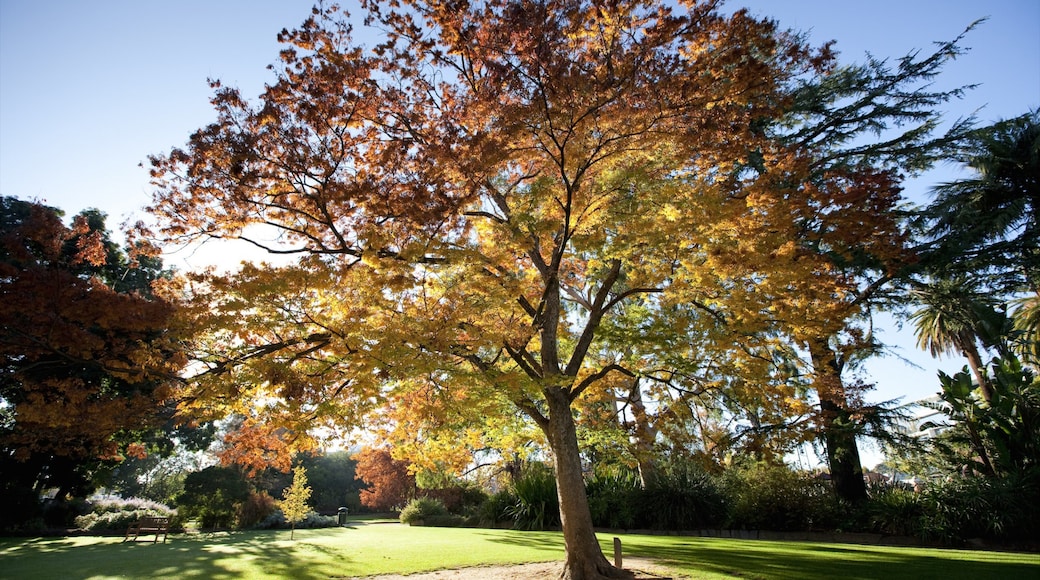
x=806, y=561
x=338, y=553
x=210, y=555
x=525, y=539
x=774, y=560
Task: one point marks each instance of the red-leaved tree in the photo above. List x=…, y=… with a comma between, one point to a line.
x=390, y=486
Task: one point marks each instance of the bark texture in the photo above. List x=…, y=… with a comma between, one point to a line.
x=837, y=425
x=585, y=559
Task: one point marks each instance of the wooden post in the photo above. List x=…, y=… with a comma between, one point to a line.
x=617, y=553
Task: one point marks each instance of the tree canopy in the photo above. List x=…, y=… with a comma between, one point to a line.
x=985, y=224
x=512, y=209
x=89, y=358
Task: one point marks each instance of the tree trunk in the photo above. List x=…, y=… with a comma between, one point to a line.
x=838, y=427
x=643, y=436
x=839, y=437
x=971, y=352
x=585, y=559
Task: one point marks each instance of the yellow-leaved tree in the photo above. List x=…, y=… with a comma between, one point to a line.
x=474, y=205
x=294, y=500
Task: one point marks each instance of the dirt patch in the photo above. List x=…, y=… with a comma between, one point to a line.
x=644, y=570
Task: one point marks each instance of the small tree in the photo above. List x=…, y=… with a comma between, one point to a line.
x=294, y=504
x=390, y=486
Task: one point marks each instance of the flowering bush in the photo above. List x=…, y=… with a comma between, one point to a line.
x=114, y=514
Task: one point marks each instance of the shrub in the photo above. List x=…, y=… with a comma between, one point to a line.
x=496, y=509
x=255, y=509
x=684, y=497
x=537, y=505
x=766, y=497
x=614, y=498
x=315, y=520
x=445, y=521
x=276, y=520
x=273, y=521
x=1003, y=509
x=113, y=503
x=115, y=514
x=421, y=508
x=894, y=509
x=110, y=521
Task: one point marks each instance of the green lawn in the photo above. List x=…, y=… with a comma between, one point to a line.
x=373, y=548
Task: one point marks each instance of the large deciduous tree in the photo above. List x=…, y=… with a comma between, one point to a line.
x=88, y=358
x=471, y=200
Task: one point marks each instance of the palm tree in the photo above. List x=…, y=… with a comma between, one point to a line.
x=955, y=317
x=989, y=222
x=1027, y=324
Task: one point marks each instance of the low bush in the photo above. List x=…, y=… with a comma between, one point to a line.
x=316, y=520
x=537, y=505
x=112, y=503
x=114, y=514
x=767, y=497
x=764, y=497
x=684, y=497
x=445, y=521
x=1003, y=509
x=496, y=509
x=615, y=498
x=110, y=521
x=276, y=521
x=421, y=508
x=896, y=510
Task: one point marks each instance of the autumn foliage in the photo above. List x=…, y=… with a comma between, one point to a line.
x=89, y=361
x=505, y=214
x=295, y=498
x=390, y=485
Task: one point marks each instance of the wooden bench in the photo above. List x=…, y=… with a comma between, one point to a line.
x=149, y=525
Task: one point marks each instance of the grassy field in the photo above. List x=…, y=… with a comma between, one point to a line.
x=366, y=548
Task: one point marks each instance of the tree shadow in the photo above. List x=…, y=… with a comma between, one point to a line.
x=807, y=561
x=212, y=555
x=527, y=539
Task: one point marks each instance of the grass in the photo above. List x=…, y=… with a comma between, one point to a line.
x=711, y=558
x=367, y=548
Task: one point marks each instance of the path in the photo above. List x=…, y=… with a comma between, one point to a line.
x=645, y=570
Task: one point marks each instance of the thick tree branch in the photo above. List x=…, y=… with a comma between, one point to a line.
x=590, y=380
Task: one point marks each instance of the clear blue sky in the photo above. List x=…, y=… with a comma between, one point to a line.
x=88, y=89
